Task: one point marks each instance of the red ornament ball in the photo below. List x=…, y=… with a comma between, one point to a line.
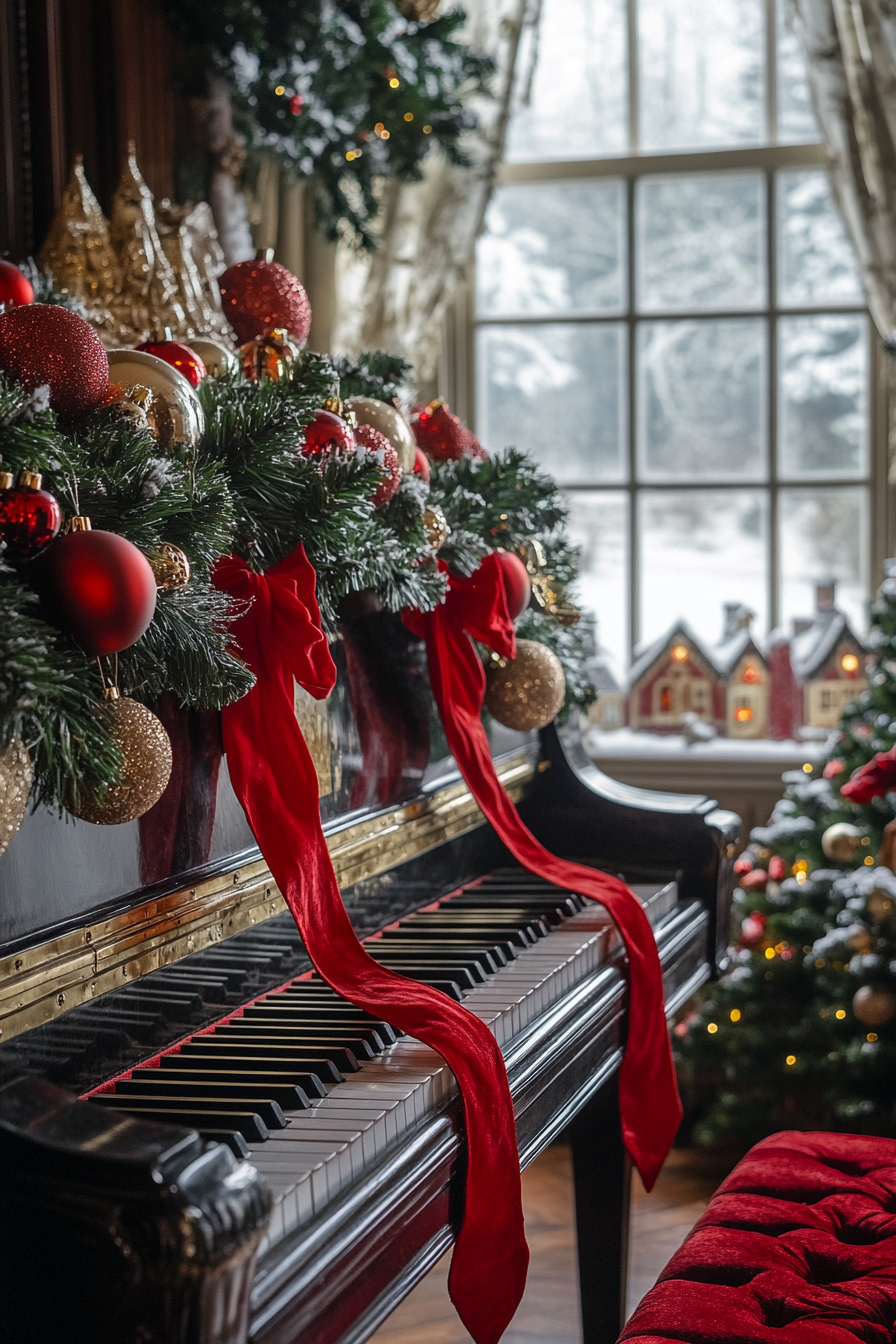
x=517, y=587
x=15, y=288
x=43, y=344
x=179, y=356
x=421, y=464
x=30, y=518
x=777, y=868
x=99, y=588
x=260, y=295
x=439, y=433
x=327, y=432
x=375, y=442
x=752, y=930
x=755, y=880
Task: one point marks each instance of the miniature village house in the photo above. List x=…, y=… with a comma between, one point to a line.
x=828, y=660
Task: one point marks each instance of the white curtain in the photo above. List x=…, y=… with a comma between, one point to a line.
x=850, y=52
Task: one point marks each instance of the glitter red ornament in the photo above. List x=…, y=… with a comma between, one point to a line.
x=327, y=432
x=260, y=295
x=98, y=587
x=15, y=288
x=375, y=442
x=30, y=518
x=178, y=355
x=442, y=436
x=43, y=344
x=517, y=587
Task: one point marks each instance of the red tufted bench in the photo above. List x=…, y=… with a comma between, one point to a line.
x=797, y=1246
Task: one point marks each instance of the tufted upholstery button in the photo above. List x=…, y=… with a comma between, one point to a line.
x=798, y=1246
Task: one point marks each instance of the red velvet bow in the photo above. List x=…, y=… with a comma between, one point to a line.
x=877, y=776
x=477, y=607
x=274, y=777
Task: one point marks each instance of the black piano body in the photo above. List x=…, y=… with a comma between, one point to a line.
x=118, y=1228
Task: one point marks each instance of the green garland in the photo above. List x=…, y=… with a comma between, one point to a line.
x=317, y=82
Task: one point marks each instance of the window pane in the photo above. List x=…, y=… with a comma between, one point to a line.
x=796, y=119
x=699, y=549
x=559, y=390
x=816, y=261
x=823, y=396
x=823, y=534
x=701, y=399
x=576, y=104
x=553, y=248
x=598, y=523
x=701, y=72
x=701, y=241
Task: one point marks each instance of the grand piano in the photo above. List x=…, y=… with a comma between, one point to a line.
x=199, y=1142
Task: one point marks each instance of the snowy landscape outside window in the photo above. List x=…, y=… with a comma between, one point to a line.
x=668, y=313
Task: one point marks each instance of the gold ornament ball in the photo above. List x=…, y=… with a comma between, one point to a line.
x=218, y=360
x=16, y=775
x=841, y=841
x=170, y=566
x=268, y=359
x=435, y=525
x=173, y=409
x=390, y=422
x=146, y=766
x=873, y=1006
x=526, y=692
x=881, y=905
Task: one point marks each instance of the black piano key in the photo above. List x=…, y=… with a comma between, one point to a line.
x=204, y=1116
x=340, y=1057
x=449, y=959
x=211, y=991
x=269, y=1111
x=140, y=1026
x=407, y=936
x=179, y=1006
x=268, y=1011
x=206, y=1070
x=231, y=1137
x=256, y=1094
x=260, y=1059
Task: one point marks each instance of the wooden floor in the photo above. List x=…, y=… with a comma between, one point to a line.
x=549, y=1312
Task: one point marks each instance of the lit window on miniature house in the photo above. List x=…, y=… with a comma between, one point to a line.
x=751, y=674
x=667, y=699
x=680, y=653
x=743, y=713
x=850, y=664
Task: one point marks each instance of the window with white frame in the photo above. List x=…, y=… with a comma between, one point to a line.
x=668, y=315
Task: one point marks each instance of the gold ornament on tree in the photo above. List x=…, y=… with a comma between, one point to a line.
x=841, y=841
x=78, y=253
x=435, y=525
x=16, y=777
x=873, y=1006
x=170, y=566
x=147, y=295
x=173, y=411
x=268, y=358
x=390, y=423
x=146, y=764
x=525, y=692
x=550, y=596
x=218, y=359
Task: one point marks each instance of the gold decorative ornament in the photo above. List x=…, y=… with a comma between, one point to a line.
x=218, y=360
x=268, y=358
x=147, y=294
x=435, y=525
x=170, y=566
x=873, y=1006
x=526, y=692
x=840, y=841
x=390, y=422
x=78, y=252
x=146, y=765
x=190, y=243
x=549, y=595
x=16, y=777
x=173, y=411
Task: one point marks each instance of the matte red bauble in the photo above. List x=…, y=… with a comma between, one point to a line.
x=326, y=432
x=179, y=356
x=99, y=588
x=29, y=517
x=517, y=586
x=421, y=464
x=43, y=344
x=15, y=288
x=439, y=433
x=260, y=295
x=375, y=442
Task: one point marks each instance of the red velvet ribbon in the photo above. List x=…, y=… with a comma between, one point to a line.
x=476, y=608
x=876, y=777
x=272, y=772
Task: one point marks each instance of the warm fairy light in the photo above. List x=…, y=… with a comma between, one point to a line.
x=807, y=768
x=769, y=953
x=869, y=861
x=379, y=128
x=801, y=877
x=384, y=135
x=791, y=1059
x=712, y=1028
x=394, y=83
x=743, y=715
x=780, y=947
x=872, y=1037
x=352, y=154
x=849, y=662
x=679, y=653
x=801, y=866
x=840, y=1014
x=427, y=130
x=734, y=1014
x=409, y=116
x=751, y=673
x=280, y=90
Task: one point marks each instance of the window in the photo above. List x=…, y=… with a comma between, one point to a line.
x=667, y=312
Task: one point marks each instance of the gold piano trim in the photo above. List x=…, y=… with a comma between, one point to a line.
x=45, y=981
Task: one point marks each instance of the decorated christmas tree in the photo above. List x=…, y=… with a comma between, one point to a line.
x=801, y=1034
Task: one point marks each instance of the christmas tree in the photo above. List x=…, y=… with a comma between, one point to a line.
x=801, y=1033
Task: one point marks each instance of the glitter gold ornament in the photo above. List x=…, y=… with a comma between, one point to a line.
x=147, y=294
x=16, y=775
x=526, y=692
x=174, y=412
x=840, y=841
x=146, y=765
x=170, y=566
x=218, y=360
x=390, y=423
x=873, y=1006
x=78, y=253
x=268, y=358
x=435, y=525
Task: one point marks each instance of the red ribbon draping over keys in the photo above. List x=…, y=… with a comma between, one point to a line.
x=476, y=608
x=272, y=772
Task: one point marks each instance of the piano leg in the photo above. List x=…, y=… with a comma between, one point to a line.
x=602, y=1174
